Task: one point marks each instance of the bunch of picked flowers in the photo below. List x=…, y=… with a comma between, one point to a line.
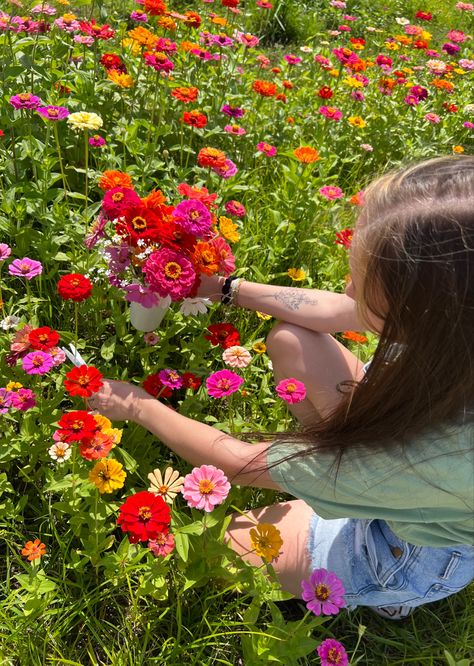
x=156, y=251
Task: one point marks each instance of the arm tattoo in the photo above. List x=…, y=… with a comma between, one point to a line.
x=293, y=298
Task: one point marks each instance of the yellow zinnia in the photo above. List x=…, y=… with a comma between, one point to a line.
x=356, y=121
x=108, y=475
x=228, y=229
x=297, y=274
x=121, y=79
x=259, y=347
x=266, y=541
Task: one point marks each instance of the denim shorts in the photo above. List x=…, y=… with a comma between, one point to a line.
x=378, y=568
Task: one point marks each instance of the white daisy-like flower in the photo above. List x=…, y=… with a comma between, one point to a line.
x=60, y=451
x=401, y=20
x=306, y=49
x=11, y=321
x=194, y=306
x=167, y=485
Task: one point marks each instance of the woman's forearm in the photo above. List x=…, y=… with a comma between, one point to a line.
x=200, y=444
x=315, y=309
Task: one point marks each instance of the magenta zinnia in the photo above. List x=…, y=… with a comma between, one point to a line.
x=169, y=274
x=323, y=592
x=205, y=487
x=193, y=216
x=223, y=383
x=291, y=390
x=332, y=653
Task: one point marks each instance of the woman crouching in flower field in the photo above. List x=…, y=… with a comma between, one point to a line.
x=383, y=465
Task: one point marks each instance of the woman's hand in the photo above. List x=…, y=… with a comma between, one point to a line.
x=118, y=401
x=211, y=287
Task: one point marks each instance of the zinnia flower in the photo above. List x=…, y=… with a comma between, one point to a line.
x=5, y=251
x=60, y=451
x=23, y=399
x=83, y=381
x=26, y=267
x=33, y=550
x=170, y=378
x=306, y=154
x=53, y=112
x=167, y=485
x=211, y=157
x=76, y=426
x=291, y=390
x=266, y=541
x=107, y=475
x=193, y=216
x=37, y=363
x=259, y=347
x=144, y=515
x=332, y=653
x=25, y=101
x=266, y=149
x=331, y=112
x=223, y=383
x=99, y=446
x=297, y=274
x=169, y=274
x=117, y=200
x=323, y=592
x=74, y=287
x=237, y=357
x=5, y=400
x=331, y=192
x=205, y=487
x=235, y=208
x=162, y=545
x=110, y=179
x=186, y=95
x=43, y=338
x=84, y=120
x=224, y=335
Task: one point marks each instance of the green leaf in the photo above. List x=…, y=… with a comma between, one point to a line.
x=182, y=546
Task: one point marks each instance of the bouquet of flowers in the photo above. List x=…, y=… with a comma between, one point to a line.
x=157, y=251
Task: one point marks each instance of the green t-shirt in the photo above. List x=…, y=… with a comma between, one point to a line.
x=424, y=491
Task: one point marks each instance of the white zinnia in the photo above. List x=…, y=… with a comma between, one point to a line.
x=11, y=321
x=236, y=357
x=194, y=306
x=60, y=451
x=84, y=120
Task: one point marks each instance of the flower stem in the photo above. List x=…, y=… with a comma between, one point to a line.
x=58, y=148
x=86, y=167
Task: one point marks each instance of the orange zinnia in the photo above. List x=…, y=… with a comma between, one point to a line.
x=143, y=36
x=306, y=154
x=112, y=179
x=264, y=88
x=121, y=79
x=33, y=550
x=155, y=7
x=167, y=23
x=154, y=200
x=354, y=337
x=211, y=157
x=206, y=258
x=441, y=84
x=186, y=95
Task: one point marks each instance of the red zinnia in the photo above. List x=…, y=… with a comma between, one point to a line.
x=212, y=158
x=344, y=237
x=325, y=92
x=139, y=223
x=224, y=335
x=97, y=447
x=144, y=516
x=155, y=387
x=43, y=338
x=191, y=381
x=264, y=88
x=84, y=381
x=77, y=426
x=74, y=287
x=194, y=118
x=113, y=61
x=185, y=95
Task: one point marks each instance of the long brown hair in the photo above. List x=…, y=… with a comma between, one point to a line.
x=416, y=234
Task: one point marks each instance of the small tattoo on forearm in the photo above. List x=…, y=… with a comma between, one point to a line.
x=293, y=298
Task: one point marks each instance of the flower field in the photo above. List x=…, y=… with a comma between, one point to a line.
x=145, y=146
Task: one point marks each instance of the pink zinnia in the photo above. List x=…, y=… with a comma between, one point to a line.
x=227, y=171
x=169, y=274
x=234, y=129
x=226, y=258
x=292, y=59
x=159, y=62
x=194, y=217
x=25, y=101
x=117, y=200
x=432, y=118
x=138, y=293
x=331, y=112
x=97, y=141
x=53, y=112
x=235, y=208
x=267, y=149
x=26, y=267
x=323, y=592
x=170, y=378
x=246, y=39
x=331, y=192
x=291, y=390
x=162, y=545
x=37, y=363
x=223, y=383
x=205, y=487
x=237, y=357
x=23, y=399
x=5, y=400
x=5, y=251
x=332, y=653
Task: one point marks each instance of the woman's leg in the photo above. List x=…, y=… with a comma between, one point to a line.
x=292, y=519
x=316, y=359
x=320, y=362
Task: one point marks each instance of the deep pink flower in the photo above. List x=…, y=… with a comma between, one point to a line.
x=292, y=59
x=432, y=118
x=332, y=653
x=162, y=545
x=23, y=399
x=235, y=208
x=291, y=390
x=159, y=61
x=53, y=112
x=205, y=487
x=331, y=112
x=323, y=592
x=169, y=274
x=141, y=17
x=117, y=200
x=37, y=363
x=234, y=129
x=5, y=400
x=331, y=192
x=25, y=101
x=266, y=149
x=227, y=171
x=232, y=111
x=223, y=383
x=165, y=45
x=246, y=39
x=138, y=293
x=26, y=267
x=97, y=141
x=194, y=217
x=5, y=251
x=170, y=378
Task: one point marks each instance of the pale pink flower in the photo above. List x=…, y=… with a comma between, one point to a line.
x=234, y=129
x=367, y=147
x=432, y=118
x=205, y=487
x=291, y=390
x=58, y=355
x=237, y=357
x=162, y=545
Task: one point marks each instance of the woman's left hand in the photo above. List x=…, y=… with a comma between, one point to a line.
x=118, y=401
